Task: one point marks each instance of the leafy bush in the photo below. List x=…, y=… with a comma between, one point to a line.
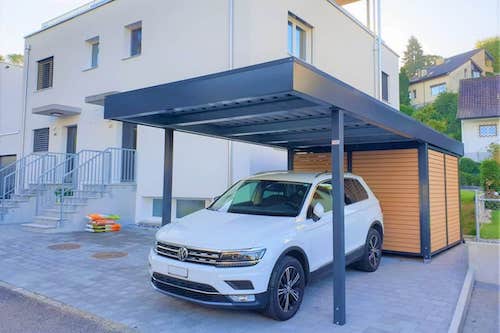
x=469, y=179
x=468, y=165
x=490, y=175
x=407, y=109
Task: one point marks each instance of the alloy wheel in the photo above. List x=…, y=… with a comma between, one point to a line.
x=374, y=252
x=289, y=291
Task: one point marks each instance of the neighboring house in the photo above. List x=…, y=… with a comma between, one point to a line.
x=11, y=100
x=446, y=75
x=81, y=57
x=479, y=112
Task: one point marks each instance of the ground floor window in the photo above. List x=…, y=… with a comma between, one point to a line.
x=488, y=130
x=183, y=207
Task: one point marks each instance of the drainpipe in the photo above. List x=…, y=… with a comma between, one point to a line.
x=379, y=47
x=27, y=52
x=375, y=71
x=230, y=66
x=368, y=23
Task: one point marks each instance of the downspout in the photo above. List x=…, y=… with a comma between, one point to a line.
x=379, y=47
x=27, y=52
x=230, y=66
x=375, y=71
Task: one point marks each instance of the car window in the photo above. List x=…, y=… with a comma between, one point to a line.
x=263, y=197
x=323, y=195
x=354, y=191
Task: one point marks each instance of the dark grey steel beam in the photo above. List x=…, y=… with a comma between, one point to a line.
x=168, y=167
x=337, y=150
x=240, y=112
x=425, y=217
x=290, y=155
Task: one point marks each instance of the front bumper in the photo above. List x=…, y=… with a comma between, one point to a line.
x=207, y=285
x=189, y=292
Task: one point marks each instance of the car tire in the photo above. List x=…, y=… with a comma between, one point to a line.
x=372, y=253
x=286, y=289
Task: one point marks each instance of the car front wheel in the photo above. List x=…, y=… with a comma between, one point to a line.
x=286, y=289
x=372, y=254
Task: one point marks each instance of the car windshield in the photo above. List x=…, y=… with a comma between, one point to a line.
x=263, y=197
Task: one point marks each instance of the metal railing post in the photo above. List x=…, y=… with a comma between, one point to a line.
x=476, y=214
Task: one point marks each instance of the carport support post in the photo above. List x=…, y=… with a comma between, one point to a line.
x=289, y=161
x=337, y=147
x=168, y=164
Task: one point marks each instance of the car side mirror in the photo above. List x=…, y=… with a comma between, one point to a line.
x=318, y=211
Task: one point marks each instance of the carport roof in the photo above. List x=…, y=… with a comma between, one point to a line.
x=285, y=103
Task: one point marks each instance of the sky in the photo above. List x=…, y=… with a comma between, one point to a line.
x=443, y=27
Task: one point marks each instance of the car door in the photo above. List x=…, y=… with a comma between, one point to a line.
x=356, y=218
x=319, y=233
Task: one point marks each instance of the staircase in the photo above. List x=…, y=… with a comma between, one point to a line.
x=60, y=194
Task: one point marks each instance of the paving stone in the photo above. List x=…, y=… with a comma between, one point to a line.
x=404, y=295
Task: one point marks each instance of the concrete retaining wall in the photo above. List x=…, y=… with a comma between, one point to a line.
x=484, y=259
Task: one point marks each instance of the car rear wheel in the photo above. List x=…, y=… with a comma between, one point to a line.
x=286, y=289
x=372, y=254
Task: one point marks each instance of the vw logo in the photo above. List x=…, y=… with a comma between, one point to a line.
x=182, y=254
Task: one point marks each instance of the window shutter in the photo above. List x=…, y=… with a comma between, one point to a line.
x=41, y=140
x=45, y=73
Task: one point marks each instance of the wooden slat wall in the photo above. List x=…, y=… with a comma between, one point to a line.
x=437, y=198
x=452, y=199
x=393, y=177
x=314, y=162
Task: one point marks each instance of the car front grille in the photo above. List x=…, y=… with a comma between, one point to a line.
x=193, y=255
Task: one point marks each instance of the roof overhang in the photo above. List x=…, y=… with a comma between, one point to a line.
x=283, y=103
x=57, y=110
x=98, y=99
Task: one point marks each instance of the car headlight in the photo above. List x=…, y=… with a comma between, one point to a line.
x=240, y=258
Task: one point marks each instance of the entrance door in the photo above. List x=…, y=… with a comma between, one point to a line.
x=7, y=183
x=129, y=141
x=70, y=149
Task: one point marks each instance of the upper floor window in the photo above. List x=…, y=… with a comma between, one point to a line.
x=385, y=86
x=488, y=130
x=93, y=44
x=413, y=94
x=476, y=74
x=45, y=73
x=438, y=89
x=135, y=38
x=299, y=37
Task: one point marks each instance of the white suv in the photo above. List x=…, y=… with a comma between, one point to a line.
x=256, y=245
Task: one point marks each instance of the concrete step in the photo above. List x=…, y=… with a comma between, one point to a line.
x=48, y=220
x=38, y=226
x=55, y=212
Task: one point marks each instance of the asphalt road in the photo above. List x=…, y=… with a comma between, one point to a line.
x=24, y=313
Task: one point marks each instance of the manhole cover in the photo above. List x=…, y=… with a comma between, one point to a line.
x=109, y=255
x=64, y=246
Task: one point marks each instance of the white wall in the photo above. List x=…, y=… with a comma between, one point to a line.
x=476, y=147
x=11, y=104
x=183, y=39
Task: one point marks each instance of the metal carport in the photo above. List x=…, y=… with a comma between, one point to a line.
x=289, y=104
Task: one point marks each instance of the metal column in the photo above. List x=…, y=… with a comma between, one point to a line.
x=423, y=178
x=167, y=176
x=337, y=147
x=290, y=153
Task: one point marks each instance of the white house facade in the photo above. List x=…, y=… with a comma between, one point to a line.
x=76, y=60
x=479, y=112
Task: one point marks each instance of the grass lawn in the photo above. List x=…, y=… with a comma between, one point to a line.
x=488, y=231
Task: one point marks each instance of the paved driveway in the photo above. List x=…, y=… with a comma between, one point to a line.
x=404, y=295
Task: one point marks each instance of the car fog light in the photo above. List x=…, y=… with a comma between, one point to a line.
x=242, y=298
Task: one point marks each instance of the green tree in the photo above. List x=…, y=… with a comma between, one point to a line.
x=404, y=84
x=468, y=165
x=430, y=117
x=446, y=105
x=2, y=58
x=492, y=45
x=407, y=109
x=490, y=175
x=413, y=57
x=16, y=59
x=431, y=60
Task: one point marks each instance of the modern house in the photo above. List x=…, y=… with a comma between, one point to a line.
x=446, y=75
x=75, y=61
x=11, y=100
x=479, y=112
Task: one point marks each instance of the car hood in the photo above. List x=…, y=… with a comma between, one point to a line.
x=224, y=231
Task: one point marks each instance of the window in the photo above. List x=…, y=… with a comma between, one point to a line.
x=413, y=94
x=183, y=207
x=385, y=87
x=45, y=73
x=41, y=140
x=488, y=130
x=465, y=73
x=299, y=36
x=438, y=89
x=476, y=74
x=354, y=191
x=263, y=197
x=93, y=44
x=188, y=206
x=135, y=41
x=323, y=195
